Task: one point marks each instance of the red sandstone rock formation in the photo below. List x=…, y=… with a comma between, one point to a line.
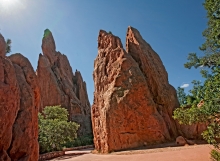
x=163, y=94
x=193, y=131
x=180, y=140
x=24, y=145
x=133, y=100
x=2, y=46
x=59, y=86
x=9, y=101
x=19, y=102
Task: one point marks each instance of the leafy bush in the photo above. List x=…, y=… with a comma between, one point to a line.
x=54, y=129
x=215, y=155
x=81, y=141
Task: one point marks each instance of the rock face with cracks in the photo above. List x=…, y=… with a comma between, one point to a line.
x=60, y=86
x=9, y=105
x=133, y=101
x=19, y=103
x=25, y=128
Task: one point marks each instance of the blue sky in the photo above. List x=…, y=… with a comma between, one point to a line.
x=173, y=28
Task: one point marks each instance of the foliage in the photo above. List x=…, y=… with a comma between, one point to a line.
x=181, y=95
x=81, y=141
x=8, y=46
x=209, y=91
x=54, y=129
x=211, y=47
x=215, y=155
x=194, y=96
x=212, y=33
x=46, y=33
x=209, y=112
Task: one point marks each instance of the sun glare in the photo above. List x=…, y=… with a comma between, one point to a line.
x=9, y=6
x=6, y=3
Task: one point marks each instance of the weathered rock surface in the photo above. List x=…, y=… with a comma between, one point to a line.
x=2, y=46
x=24, y=145
x=163, y=94
x=19, y=102
x=9, y=105
x=133, y=101
x=180, y=140
x=59, y=86
x=193, y=131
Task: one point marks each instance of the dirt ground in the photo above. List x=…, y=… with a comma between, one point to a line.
x=168, y=153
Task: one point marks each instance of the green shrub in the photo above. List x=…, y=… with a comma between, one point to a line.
x=81, y=141
x=54, y=129
x=215, y=155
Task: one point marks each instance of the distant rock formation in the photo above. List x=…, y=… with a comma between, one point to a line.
x=133, y=100
x=59, y=86
x=19, y=103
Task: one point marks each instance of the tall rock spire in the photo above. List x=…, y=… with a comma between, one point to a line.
x=149, y=62
x=59, y=85
x=133, y=100
x=49, y=46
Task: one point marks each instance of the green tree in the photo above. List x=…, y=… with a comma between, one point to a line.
x=8, y=46
x=209, y=92
x=211, y=47
x=54, y=129
x=181, y=95
x=194, y=96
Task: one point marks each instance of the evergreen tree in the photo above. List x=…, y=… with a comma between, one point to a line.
x=209, y=92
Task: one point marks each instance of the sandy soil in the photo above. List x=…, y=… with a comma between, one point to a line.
x=185, y=153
